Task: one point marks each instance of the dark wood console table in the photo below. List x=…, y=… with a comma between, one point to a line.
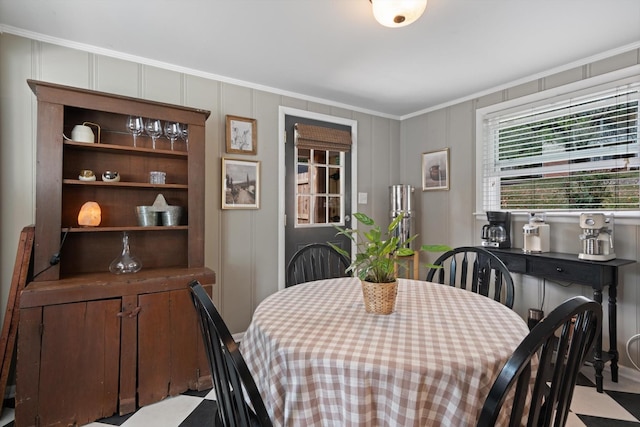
x=569, y=268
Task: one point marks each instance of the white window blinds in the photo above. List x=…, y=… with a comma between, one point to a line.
x=577, y=153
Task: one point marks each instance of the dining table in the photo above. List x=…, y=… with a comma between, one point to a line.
x=318, y=359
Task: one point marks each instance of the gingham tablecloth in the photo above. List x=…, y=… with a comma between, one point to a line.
x=319, y=359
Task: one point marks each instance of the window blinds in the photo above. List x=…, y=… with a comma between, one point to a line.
x=578, y=153
x=322, y=138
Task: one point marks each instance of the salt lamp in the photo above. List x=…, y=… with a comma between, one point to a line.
x=90, y=215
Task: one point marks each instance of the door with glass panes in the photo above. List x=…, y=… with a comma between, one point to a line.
x=317, y=185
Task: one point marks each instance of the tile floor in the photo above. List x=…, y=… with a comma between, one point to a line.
x=619, y=406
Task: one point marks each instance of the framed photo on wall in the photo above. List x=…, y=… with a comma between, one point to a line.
x=435, y=170
x=240, y=184
x=242, y=135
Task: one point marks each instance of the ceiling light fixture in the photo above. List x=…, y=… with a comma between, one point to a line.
x=398, y=13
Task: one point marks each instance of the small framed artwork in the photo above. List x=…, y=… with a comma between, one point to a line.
x=242, y=135
x=240, y=184
x=435, y=170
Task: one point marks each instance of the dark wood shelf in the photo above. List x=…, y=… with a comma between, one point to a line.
x=122, y=184
x=119, y=229
x=123, y=148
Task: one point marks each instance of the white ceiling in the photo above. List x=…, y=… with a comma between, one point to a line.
x=333, y=50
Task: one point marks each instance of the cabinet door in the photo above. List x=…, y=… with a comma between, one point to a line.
x=78, y=365
x=171, y=356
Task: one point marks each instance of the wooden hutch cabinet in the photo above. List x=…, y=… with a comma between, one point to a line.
x=92, y=343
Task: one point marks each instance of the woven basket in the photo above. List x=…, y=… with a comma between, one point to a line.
x=379, y=298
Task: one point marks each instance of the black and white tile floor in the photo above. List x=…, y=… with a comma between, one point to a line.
x=619, y=406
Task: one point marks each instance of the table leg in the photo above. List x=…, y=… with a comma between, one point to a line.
x=598, y=364
x=613, y=328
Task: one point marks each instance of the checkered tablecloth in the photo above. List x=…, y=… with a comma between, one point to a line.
x=320, y=360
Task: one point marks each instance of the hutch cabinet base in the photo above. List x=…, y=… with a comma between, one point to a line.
x=88, y=349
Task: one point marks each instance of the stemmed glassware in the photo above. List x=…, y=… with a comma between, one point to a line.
x=135, y=126
x=172, y=131
x=153, y=127
x=185, y=135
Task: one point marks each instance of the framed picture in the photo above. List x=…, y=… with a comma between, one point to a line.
x=435, y=170
x=242, y=135
x=240, y=184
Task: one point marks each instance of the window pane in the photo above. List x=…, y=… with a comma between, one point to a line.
x=303, y=179
x=320, y=157
x=304, y=209
x=334, y=158
x=320, y=210
x=334, y=181
x=304, y=155
x=580, y=190
x=320, y=179
x=334, y=209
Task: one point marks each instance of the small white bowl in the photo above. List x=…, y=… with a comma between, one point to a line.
x=86, y=175
x=110, y=176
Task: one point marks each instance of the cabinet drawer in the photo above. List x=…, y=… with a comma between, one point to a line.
x=515, y=264
x=582, y=273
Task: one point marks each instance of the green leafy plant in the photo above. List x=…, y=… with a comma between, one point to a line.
x=377, y=250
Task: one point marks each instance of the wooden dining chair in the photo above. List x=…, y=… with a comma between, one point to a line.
x=316, y=261
x=477, y=270
x=407, y=267
x=229, y=370
x=561, y=341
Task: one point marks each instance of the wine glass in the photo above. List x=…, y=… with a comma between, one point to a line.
x=172, y=131
x=135, y=126
x=185, y=135
x=153, y=127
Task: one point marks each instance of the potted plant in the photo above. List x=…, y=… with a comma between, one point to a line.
x=376, y=253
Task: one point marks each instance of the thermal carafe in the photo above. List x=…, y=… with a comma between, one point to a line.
x=401, y=202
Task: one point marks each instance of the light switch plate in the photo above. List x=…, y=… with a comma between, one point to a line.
x=362, y=198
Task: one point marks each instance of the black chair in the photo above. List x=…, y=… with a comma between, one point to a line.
x=229, y=371
x=472, y=268
x=316, y=261
x=560, y=357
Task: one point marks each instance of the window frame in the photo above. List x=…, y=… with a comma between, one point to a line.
x=312, y=173
x=546, y=97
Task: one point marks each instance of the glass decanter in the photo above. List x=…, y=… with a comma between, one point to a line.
x=125, y=263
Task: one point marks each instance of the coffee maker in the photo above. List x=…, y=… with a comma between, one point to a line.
x=596, y=237
x=536, y=234
x=497, y=234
